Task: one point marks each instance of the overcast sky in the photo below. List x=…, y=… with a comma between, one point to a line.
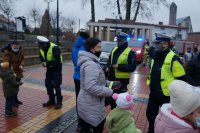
x=72, y=9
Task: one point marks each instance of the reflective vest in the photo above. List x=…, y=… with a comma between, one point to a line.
x=146, y=49
x=50, y=53
x=166, y=73
x=123, y=59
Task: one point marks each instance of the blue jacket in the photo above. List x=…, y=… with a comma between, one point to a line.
x=78, y=46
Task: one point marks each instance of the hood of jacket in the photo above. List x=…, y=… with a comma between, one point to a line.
x=8, y=48
x=166, y=122
x=84, y=56
x=79, y=42
x=4, y=73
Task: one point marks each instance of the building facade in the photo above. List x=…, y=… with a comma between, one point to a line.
x=106, y=29
x=6, y=25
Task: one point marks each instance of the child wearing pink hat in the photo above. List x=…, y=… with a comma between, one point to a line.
x=120, y=119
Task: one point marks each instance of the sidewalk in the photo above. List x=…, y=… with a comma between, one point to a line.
x=32, y=117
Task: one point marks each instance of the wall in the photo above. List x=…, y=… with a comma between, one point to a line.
x=169, y=31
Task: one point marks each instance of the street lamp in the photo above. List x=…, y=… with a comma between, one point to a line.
x=57, y=35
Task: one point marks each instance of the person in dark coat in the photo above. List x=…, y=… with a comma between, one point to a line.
x=13, y=53
x=165, y=67
x=193, y=70
x=51, y=58
x=10, y=88
x=121, y=63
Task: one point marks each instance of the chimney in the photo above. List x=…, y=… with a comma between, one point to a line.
x=172, y=14
x=160, y=23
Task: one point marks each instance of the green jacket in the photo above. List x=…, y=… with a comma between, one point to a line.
x=121, y=121
x=9, y=83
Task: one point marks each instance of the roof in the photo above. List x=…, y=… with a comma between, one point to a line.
x=180, y=20
x=3, y=19
x=131, y=22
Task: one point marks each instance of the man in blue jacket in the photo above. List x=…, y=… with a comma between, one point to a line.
x=78, y=46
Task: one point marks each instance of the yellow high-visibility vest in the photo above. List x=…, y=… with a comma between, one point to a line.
x=168, y=73
x=50, y=53
x=123, y=59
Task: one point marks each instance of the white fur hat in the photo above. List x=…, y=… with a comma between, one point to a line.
x=123, y=100
x=184, y=98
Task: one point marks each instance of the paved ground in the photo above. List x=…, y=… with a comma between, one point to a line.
x=32, y=117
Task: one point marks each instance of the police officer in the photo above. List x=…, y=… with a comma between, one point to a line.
x=165, y=67
x=146, y=51
x=121, y=63
x=51, y=58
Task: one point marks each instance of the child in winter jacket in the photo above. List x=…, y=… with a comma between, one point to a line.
x=182, y=115
x=10, y=86
x=120, y=119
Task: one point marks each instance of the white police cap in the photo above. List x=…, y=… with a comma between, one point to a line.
x=42, y=39
x=162, y=37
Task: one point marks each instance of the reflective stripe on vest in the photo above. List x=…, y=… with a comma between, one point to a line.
x=50, y=53
x=123, y=59
x=166, y=73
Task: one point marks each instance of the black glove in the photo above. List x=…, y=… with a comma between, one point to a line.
x=114, y=85
x=19, y=83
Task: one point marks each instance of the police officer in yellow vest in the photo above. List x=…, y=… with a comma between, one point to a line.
x=51, y=58
x=146, y=51
x=165, y=67
x=121, y=63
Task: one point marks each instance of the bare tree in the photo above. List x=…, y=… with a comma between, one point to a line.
x=53, y=20
x=137, y=9
x=128, y=9
x=6, y=7
x=119, y=10
x=39, y=19
x=92, y=8
x=145, y=7
x=53, y=17
x=35, y=14
x=2, y=2
x=68, y=24
x=110, y=5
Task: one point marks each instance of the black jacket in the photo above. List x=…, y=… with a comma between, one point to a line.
x=130, y=67
x=193, y=71
x=55, y=65
x=156, y=70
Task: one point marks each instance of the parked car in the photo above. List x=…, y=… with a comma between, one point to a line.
x=138, y=47
x=106, y=48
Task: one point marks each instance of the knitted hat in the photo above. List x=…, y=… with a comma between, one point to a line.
x=123, y=100
x=184, y=98
x=84, y=33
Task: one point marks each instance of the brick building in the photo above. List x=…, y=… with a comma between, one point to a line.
x=194, y=37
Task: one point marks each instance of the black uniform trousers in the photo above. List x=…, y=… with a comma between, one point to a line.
x=53, y=80
x=156, y=100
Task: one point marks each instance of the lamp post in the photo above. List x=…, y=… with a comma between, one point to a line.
x=57, y=35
